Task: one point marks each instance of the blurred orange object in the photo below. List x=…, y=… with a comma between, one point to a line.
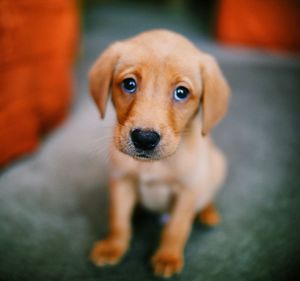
x=37, y=40
x=269, y=24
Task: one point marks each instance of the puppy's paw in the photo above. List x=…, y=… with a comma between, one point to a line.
x=108, y=252
x=167, y=262
x=209, y=216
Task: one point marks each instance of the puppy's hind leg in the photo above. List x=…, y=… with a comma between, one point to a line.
x=122, y=200
x=209, y=215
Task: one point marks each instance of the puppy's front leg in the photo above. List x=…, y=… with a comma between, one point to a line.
x=122, y=201
x=169, y=257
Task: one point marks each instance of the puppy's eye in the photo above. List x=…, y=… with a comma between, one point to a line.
x=180, y=93
x=129, y=85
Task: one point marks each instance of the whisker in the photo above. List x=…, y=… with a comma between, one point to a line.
x=97, y=154
x=100, y=138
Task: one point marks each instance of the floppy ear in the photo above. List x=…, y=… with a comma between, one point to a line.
x=215, y=95
x=100, y=76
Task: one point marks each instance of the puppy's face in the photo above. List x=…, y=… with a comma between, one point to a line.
x=155, y=93
x=156, y=82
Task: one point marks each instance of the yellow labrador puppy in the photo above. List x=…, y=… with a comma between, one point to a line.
x=167, y=95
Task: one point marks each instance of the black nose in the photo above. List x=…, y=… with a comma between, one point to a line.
x=145, y=139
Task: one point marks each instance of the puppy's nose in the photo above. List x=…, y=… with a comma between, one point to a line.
x=145, y=139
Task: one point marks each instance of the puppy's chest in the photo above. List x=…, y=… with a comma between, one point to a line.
x=157, y=187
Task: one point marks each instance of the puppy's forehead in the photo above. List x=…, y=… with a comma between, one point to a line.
x=157, y=49
x=163, y=40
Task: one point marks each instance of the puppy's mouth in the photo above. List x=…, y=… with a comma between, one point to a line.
x=129, y=149
x=146, y=156
x=142, y=155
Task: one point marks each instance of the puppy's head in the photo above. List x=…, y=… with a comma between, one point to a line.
x=157, y=80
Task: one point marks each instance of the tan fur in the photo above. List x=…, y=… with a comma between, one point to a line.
x=187, y=169
x=209, y=215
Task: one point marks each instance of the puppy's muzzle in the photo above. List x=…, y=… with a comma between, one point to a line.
x=145, y=140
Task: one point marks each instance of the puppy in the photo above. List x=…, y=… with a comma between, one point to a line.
x=168, y=95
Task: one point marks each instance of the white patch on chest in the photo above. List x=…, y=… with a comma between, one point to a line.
x=156, y=197
x=155, y=191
